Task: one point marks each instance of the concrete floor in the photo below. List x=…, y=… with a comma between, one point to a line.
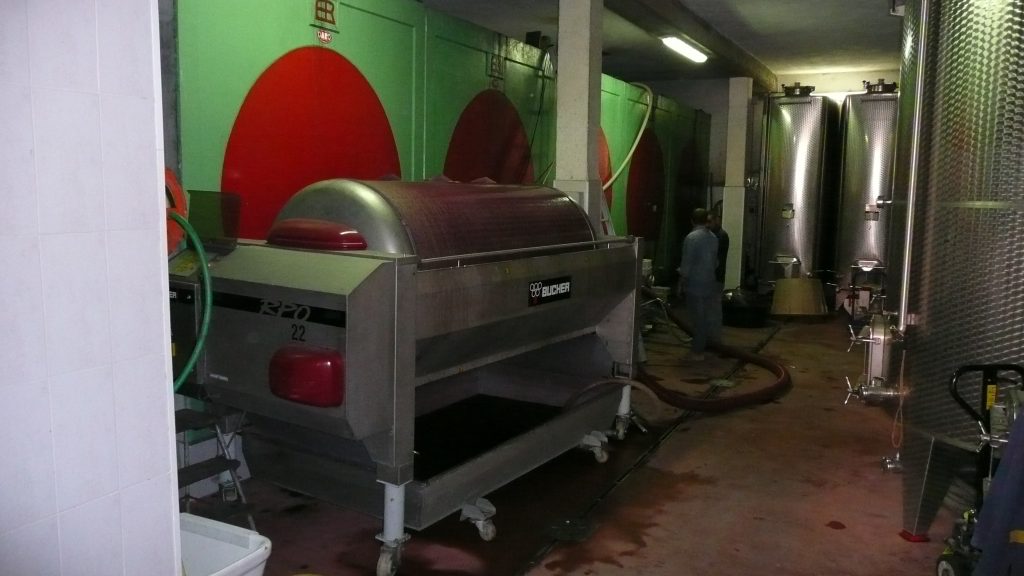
x=792, y=487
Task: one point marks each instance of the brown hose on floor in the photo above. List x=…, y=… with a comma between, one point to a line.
x=679, y=400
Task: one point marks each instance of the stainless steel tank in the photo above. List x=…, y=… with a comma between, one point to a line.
x=963, y=187
x=869, y=142
x=798, y=187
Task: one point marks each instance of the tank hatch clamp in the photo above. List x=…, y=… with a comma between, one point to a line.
x=864, y=337
x=874, y=385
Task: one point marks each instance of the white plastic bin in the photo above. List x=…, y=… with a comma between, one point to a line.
x=211, y=548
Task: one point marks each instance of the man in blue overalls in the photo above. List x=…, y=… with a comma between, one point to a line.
x=697, y=281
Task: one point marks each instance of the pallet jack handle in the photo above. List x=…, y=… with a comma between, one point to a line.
x=989, y=377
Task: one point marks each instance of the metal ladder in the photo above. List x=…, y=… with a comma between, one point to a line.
x=186, y=420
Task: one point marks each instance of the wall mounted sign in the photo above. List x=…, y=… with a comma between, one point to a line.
x=324, y=21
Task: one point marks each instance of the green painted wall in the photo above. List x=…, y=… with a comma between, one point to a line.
x=225, y=45
x=425, y=68
x=623, y=106
x=530, y=84
x=463, y=60
x=683, y=135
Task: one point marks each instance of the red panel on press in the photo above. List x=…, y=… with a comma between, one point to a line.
x=312, y=376
x=645, y=190
x=315, y=235
x=489, y=142
x=310, y=116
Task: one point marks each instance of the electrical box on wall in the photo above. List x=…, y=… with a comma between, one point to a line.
x=186, y=314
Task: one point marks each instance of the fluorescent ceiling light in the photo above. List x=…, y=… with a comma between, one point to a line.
x=684, y=48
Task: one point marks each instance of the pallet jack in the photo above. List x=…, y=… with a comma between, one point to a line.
x=994, y=419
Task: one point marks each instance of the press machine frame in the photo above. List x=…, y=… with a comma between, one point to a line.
x=396, y=308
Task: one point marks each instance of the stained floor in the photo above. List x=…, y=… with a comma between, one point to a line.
x=790, y=487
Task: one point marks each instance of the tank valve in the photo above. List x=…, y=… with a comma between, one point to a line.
x=892, y=463
x=870, y=390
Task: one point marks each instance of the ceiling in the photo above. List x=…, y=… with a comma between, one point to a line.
x=808, y=36
x=756, y=38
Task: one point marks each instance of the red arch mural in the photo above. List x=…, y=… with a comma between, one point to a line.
x=645, y=189
x=489, y=141
x=310, y=116
x=604, y=166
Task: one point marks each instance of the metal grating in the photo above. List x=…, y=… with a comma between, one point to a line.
x=967, y=260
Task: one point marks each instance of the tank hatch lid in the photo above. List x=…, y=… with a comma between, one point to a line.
x=797, y=90
x=879, y=87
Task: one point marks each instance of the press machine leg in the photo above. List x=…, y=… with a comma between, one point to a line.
x=393, y=535
x=624, y=414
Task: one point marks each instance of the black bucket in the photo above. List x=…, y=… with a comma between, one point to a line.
x=745, y=308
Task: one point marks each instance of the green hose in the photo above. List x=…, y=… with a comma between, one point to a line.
x=204, y=272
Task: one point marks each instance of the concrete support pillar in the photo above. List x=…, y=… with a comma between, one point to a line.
x=579, y=103
x=734, y=191
x=740, y=92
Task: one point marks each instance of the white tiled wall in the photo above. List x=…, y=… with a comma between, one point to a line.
x=87, y=482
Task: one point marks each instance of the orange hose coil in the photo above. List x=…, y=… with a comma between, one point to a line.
x=176, y=202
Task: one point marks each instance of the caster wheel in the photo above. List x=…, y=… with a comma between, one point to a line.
x=387, y=564
x=488, y=531
x=952, y=565
x=601, y=455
